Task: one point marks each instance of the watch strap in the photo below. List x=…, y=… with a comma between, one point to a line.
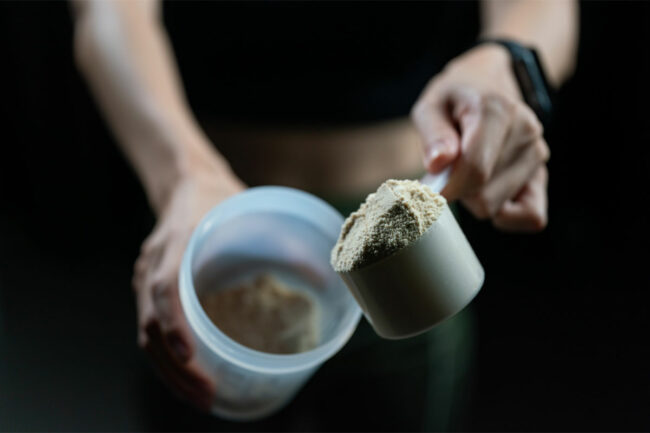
x=530, y=77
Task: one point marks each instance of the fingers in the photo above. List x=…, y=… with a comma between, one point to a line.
x=158, y=326
x=156, y=283
x=441, y=141
x=163, y=331
x=166, y=300
x=471, y=115
x=146, y=316
x=144, y=302
x=528, y=211
x=526, y=129
x=508, y=181
x=485, y=122
x=185, y=380
x=501, y=150
x=171, y=320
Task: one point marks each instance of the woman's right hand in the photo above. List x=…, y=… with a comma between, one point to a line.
x=163, y=331
x=472, y=116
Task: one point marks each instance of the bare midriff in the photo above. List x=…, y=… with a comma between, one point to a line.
x=333, y=161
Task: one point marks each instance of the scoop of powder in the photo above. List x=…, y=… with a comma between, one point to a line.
x=390, y=219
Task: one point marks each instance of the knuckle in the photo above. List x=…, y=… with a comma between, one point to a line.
x=146, y=247
x=140, y=266
x=531, y=127
x=495, y=103
x=161, y=289
x=152, y=242
x=542, y=152
x=419, y=109
x=179, y=235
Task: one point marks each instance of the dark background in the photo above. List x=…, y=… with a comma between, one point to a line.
x=563, y=317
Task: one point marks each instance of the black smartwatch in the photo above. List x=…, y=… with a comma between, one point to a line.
x=530, y=76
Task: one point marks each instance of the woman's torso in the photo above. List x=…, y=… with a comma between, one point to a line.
x=315, y=96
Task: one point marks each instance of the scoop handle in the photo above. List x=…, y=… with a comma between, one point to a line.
x=437, y=182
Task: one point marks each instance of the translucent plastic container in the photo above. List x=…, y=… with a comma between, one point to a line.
x=289, y=234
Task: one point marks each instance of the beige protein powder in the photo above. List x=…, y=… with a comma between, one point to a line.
x=389, y=220
x=264, y=314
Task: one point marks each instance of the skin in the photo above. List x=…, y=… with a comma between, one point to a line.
x=492, y=139
x=470, y=116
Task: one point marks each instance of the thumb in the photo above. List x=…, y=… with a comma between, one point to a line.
x=440, y=139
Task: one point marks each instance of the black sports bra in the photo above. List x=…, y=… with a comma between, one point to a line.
x=313, y=62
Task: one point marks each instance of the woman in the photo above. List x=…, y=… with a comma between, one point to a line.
x=470, y=115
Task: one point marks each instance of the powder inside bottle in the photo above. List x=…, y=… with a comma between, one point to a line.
x=264, y=314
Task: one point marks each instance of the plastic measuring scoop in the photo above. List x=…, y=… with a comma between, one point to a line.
x=423, y=284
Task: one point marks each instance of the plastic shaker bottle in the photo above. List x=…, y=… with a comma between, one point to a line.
x=266, y=229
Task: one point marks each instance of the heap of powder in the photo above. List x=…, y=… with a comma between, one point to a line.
x=265, y=314
x=390, y=219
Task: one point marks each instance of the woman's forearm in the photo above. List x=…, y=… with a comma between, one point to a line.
x=122, y=50
x=551, y=26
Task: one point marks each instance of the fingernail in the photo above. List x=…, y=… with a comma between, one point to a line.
x=438, y=146
x=433, y=154
x=179, y=347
